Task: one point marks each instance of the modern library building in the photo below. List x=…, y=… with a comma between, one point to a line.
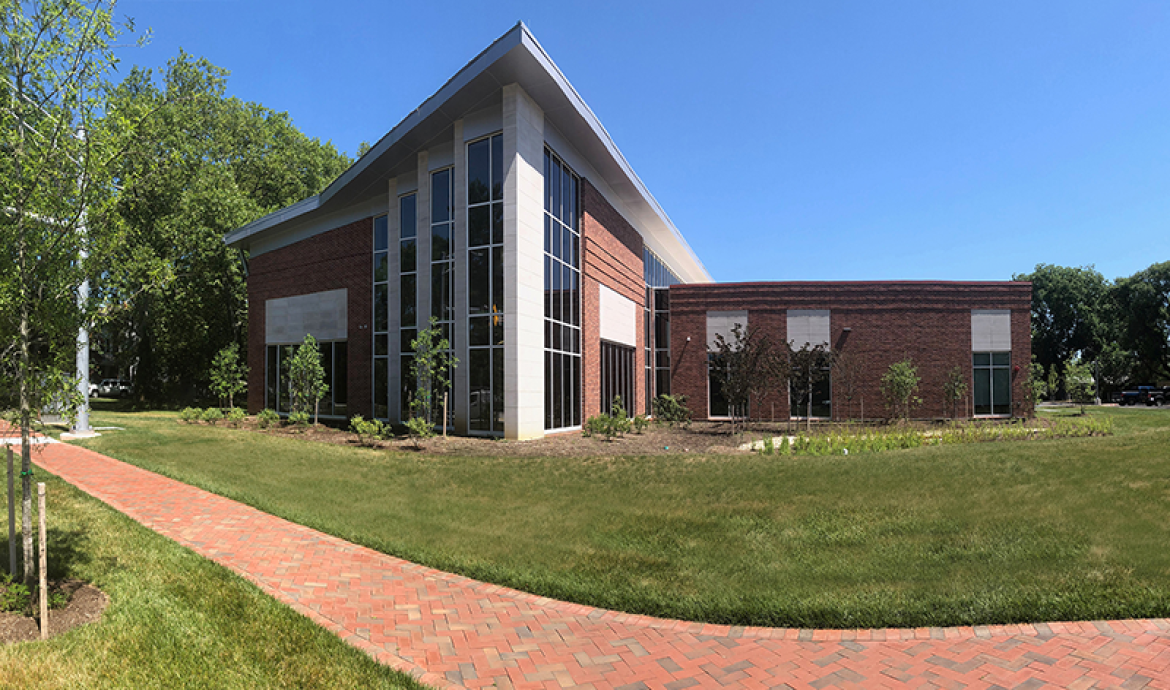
x=502, y=210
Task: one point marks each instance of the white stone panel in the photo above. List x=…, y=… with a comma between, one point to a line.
x=721, y=323
x=323, y=314
x=523, y=130
x=991, y=330
x=808, y=327
x=619, y=318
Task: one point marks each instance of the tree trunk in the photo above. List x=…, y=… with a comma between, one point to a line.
x=25, y=449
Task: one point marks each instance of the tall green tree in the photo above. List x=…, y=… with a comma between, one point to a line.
x=1070, y=313
x=202, y=165
x=54, y=58
x=1143, y=306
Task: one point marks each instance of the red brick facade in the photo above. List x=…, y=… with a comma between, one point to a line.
x=929, y=322
x=340, y=258
x=611, y=255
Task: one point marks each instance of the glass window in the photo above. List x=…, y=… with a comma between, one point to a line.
x=561, y=303
x=992, y=379
x=485, y=284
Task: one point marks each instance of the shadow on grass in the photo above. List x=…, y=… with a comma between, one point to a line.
x=67, y=551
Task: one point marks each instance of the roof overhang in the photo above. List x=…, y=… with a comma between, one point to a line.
x=515, y=57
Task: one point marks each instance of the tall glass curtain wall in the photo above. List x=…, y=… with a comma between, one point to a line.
x=656, y=317
x=381, y=320
x=562, y=301
x=485, y=284
x=408, y=308
x=443, y=270
x=993, y=383
x=334, y=358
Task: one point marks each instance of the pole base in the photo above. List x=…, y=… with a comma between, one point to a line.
x=72, y=435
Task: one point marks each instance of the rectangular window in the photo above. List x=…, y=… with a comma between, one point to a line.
x=617, y=376
x=333, y=360
x=485, y=284
x=381, y=318
x=658, y=278
x=993, y=384
x=562, y=313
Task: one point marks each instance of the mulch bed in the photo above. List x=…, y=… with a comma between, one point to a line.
x=86, y=604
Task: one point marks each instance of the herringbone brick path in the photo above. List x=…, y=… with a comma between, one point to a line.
x=450, y=631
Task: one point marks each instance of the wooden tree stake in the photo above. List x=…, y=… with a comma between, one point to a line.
x=11, y=517
x=44, y=564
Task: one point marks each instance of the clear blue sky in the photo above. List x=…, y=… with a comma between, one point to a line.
x=786, y=140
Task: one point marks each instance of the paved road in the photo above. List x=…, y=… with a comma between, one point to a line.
x=453, y=632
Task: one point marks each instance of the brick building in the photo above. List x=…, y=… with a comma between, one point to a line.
x=502, y=208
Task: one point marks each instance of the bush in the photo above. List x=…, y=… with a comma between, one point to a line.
x=14, y=596
x=419, y=428
x=367, y=431
x=672, y=409
x=267, y=418
x=212, y=415
x=235, y=416
x=640, y=423
x=595, y=425
x=190, y=415
x=299, y=418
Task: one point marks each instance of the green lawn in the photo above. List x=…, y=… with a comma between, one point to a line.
x=987, y=533
x=175, y=620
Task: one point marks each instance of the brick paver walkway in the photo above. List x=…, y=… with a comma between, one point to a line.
x=450, y=631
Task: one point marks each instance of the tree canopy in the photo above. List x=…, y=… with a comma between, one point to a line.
x=201, y=164
x=1121, y=327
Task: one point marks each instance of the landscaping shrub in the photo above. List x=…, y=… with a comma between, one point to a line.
x=236, y=415
x=672, y=410
x=899, y=438
x=368, y=431
x=300, y=419
x=640, y=423
x=267, y=418
x=419, y=429
x=212, y=415
x=189, y=415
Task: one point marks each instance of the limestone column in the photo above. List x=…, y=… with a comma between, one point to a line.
x=523, y=265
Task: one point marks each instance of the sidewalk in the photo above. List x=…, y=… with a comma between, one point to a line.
x=452, y=632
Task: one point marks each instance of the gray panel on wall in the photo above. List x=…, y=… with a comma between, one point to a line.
x=991, y=330
x=288, y=319
x=808, y=327
x=721, y=323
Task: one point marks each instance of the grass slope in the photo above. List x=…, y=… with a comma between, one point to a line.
x=976, y=534
x=175, y=619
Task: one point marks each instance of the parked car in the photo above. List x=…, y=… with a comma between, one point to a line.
x=115, y=388
x=1143, y=395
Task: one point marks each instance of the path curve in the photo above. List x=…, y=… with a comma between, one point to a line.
x=453, y=632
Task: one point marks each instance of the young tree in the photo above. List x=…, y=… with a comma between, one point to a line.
x=750, y=366
x=431, y=368
x=848, y=366
x=1035, y=388
x=54, y=58
x=900, y=388
x=306, y=378
x=954, y=388
x=1078, y=381
x=229, y=376
x=806, y=367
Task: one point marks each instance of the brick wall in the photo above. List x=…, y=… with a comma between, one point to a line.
x=340, y=258
x=929, y=322
x=611, y=251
